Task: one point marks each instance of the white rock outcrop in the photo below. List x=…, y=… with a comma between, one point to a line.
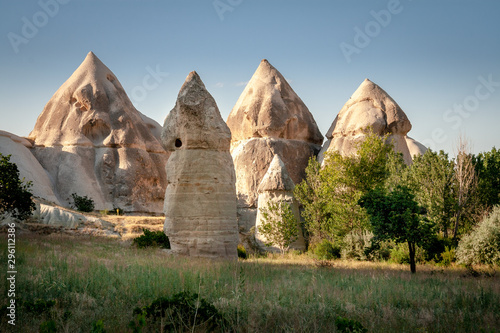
x=370, y=107
x=276, y=187
x=269, y=118
x=200, y=199
x=92, y=141
x=29, y=167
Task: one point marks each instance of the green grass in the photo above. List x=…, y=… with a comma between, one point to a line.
x=95, y=279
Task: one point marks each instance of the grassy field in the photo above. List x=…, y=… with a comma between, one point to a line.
x=99, y=280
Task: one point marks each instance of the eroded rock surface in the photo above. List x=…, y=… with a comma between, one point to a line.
x=92, y=141
x=200, y=199
x=29, y=167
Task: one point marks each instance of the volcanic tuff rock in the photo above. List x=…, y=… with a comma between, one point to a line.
x=268, y=107
x=370, y=107
x=28, y=165
x=92, y=141
x=268, y=118
x=200, y=199
x=276, y=187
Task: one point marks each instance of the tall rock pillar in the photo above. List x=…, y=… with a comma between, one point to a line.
x=200, y=199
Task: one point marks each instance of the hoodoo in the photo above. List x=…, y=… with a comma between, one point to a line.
x=370, y=107
x=269, y=118
x=92, y=141
x=200, y=199
x=277, y=187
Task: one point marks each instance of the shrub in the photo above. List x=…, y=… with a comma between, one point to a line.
x=448, y=256
x=242, y=252
x=83, y=204
x=39, y=306
x=182, y=312
x=98, y=326
x=326, y=250
x=152, y=238
x=356, y=244
x=482, y=245
x=436, y=246
x=400, y=254
x=48, y=326
x=349, y=325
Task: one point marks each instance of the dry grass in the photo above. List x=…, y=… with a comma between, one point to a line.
x=98, y=278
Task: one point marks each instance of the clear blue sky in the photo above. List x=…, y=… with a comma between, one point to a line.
x=434, y=58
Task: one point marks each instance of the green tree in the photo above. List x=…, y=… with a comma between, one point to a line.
x=313, y=195
x=15, y=197
x=487, y=166
x=431, y=177
x=397, y=216
x=330, y=193
x=279, y=225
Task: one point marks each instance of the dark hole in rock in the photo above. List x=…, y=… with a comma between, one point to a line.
x=178, y=143
x=96, y=130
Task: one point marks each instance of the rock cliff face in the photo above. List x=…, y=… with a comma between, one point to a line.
x=370, y=107
x=268, y=118
x=200, y=199
x=92, y=141
x=28, y=165
x=276, y=187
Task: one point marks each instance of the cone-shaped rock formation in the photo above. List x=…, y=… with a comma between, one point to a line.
x=200, y=199
x=268, y=118
x=276, y=187
x=370, y=107
x=268, y=107
x=92, y=141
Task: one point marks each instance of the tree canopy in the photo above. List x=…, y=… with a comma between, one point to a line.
x=397, y=216
x=15, y=197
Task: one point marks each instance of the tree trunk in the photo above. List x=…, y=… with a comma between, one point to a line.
x=411, y=247
x=457, y=220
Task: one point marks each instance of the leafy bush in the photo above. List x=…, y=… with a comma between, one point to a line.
x=482, y=245
x=39, y=306
x=436, y=246
x=15, y=197
x=326, y=250
x=349, y=325
x=242, y=252
x=180, y=313
x=83, y=204
x=48, y=326
x=98, y=327
x=400, y=254
x=152, y=238
x=355, y=245
x=448, y=256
